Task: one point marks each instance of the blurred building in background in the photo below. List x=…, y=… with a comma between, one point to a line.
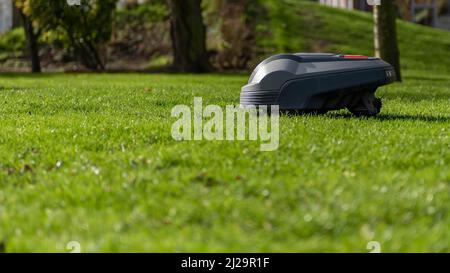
x=6, y=15
x=435, y=13
x=347, y=4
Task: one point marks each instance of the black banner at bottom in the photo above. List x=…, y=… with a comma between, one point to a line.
x=221, y=262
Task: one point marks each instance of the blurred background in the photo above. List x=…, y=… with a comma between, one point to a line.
x=149, y=35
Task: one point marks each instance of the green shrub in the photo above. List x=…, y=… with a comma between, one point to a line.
x=12, y=42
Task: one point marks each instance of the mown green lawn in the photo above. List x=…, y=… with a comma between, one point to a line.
x=90, y=158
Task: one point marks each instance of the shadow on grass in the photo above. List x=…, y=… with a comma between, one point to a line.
x=380, y=117
x=14, y=75
x=13, y=88
x=394, y=117
x=411, y=96
x=150, y=71
x=428, y=79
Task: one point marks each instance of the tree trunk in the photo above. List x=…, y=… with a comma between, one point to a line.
x=385, y=34
x=32, y=42
x=188, y=36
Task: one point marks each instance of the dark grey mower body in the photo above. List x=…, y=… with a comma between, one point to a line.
x=318, y=82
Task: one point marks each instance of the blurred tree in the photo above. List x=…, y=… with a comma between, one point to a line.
x=385, y=34
x=188, y=36
x=32, y=43
x=81, y=27
x=31, y=33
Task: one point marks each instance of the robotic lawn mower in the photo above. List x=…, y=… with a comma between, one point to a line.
x=318, y=82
